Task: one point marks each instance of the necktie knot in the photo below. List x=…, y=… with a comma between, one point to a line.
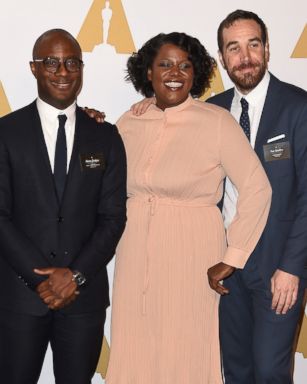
x=62, y=120
x=244, y=104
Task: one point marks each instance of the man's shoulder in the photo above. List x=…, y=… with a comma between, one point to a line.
x=84, y=118
x=222, y=99
x=92, y=127
x=12, y=124
x=19, y=114
x=291, y=93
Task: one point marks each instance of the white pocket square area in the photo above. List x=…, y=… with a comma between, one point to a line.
x=282, y=136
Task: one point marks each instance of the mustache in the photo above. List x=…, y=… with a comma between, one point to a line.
x=245, y=66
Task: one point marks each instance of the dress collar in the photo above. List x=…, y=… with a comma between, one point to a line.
x=177, y=108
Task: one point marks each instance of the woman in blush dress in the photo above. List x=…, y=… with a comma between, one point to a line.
x=164, y=314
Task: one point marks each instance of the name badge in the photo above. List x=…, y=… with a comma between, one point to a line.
x=90, y=161
x=277, y=151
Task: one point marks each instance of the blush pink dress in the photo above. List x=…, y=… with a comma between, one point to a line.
x=164, y=314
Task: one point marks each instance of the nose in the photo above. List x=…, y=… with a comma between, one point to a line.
x=175, y=69
x=245, y=54
x=61, y=69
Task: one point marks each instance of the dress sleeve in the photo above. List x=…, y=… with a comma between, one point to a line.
x=243, y=168
x=121, y=123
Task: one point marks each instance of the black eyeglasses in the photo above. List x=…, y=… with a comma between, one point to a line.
x=52, y=64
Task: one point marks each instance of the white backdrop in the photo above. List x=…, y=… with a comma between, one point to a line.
x=21, y=22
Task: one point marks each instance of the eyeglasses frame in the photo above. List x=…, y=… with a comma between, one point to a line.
x=61, y=61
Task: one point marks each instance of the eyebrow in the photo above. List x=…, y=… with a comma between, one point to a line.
x=172, y=58
x=250, y=41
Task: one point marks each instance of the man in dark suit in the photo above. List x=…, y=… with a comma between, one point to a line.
x=259, y=316
x=62, y=212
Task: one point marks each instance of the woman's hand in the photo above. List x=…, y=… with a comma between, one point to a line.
x=94, y=114
x=142, y=106
x=216, y=274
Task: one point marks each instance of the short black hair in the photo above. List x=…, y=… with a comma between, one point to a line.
x=49, y=33
x=240, y=14
x=139, y=63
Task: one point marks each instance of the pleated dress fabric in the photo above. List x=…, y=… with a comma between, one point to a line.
x=164, y=314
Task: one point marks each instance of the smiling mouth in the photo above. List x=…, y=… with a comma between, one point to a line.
x=246, y=67
x=173, y=85
x=60, y=85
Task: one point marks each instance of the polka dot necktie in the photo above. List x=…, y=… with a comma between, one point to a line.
x=60, y=158
x=244, y=118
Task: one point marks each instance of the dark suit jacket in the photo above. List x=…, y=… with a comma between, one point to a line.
x=36, y=231
x=283, y=244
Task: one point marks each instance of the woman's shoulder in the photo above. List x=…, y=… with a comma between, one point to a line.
x=203, y=106
x=210, y=112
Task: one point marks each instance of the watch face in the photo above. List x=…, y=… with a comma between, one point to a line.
x=79, y=278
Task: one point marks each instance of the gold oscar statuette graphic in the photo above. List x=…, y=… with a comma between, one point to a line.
x=106, y=23
x=302, y=341
x=216, y=86
x=104, y=358
x=4, y=104
x=300, y=50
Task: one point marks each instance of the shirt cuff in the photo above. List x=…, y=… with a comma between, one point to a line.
x=236, y=257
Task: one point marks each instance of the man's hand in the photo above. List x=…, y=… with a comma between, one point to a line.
x=142, y=106
x=52, y=300
x=218, y=273
x=59, y=289
x=59, y=303
x=284, y=288
x=94, y=114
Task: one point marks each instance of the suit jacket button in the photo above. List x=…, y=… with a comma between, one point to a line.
x=52, y=255
x=65, y=252
x=60, y=219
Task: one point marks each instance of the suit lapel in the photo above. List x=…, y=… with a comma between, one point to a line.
x=226, y=103
x=43, y=161
x=271, y=110
x=74, y=164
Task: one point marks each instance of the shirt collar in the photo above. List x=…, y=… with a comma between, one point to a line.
x=258, y=93
x=51, y=113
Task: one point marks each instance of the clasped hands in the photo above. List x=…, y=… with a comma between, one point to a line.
x=58, y=290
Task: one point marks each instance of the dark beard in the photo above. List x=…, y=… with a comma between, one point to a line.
x=249, y=81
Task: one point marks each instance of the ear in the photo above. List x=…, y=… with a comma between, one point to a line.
x=149, y=72
x=267, y=51
x=221, y=59
x=33, y=68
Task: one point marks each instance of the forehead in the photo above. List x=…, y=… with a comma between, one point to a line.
x=172, y=51
x=58, y=45
x=241, y=30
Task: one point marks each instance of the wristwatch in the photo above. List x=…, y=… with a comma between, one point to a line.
x=78, y=278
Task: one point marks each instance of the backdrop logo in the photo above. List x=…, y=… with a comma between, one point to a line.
x=216, y=85
x=104, y=358
x=300, y=51
x=106, y=23
x=4, y=104
x=302, y=341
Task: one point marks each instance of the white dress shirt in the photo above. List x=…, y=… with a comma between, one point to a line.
x=50, y=123
x=255, y=99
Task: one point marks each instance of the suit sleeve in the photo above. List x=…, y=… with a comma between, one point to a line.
x=111, y=218
x=245, y=171
x=294, y=258
x=17, y=250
